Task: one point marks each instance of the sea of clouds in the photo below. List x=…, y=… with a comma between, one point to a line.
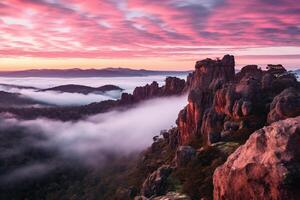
x=91, y=139
x=66, y=99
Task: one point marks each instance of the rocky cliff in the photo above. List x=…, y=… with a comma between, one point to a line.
x=208, y=76
x=223, y=110
x=221, y=102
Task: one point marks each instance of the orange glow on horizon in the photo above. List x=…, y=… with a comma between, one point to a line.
x=25, y=63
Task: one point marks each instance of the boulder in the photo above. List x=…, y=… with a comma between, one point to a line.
x=156, y=183
x=266, y=167
x=285, y=105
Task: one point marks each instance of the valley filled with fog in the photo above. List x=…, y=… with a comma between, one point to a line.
x=35, y=84
x=34, y=149
x=88, y=141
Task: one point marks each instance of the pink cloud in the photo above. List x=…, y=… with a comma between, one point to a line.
x=132, y=28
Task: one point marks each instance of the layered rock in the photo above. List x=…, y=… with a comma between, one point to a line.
x=266, y=167
x=209, y=75
x=218, y=96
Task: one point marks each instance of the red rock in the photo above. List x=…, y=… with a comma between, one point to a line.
x=266, y=167
x=208, y=71
x=209, y=75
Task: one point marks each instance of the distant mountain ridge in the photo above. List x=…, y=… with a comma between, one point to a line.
x=71, y=88
x=76, y=72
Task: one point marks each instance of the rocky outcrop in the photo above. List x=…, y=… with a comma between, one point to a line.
x=209, y=75
x=276, y=69
x=285, y=105
x=266, y=167
x=222, y=113
x=173, y=86
x=217, y=96
x=156, y=183
x=249, y=70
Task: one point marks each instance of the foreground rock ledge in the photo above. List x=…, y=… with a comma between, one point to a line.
x=266, y=167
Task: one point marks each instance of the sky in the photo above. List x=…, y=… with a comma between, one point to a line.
x=156, y=34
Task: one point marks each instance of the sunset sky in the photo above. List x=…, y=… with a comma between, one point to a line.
x=151, y=34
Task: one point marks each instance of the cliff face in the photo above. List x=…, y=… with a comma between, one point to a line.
x=266, y=167
x=208, y=76
x=219, y=99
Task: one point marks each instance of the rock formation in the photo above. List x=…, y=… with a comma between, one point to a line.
x=209, y=75
x=266, y=167
x=218, y=96
x=223, y=110
x=173, y=86
x=156, y=183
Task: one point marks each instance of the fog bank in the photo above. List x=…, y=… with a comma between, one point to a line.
x=91, y=140
x=71, y=99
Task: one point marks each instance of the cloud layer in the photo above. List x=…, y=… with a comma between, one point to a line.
x=139, y=28
x=87, y=141
x=65, y=99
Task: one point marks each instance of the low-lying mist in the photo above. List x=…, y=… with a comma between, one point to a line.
x=89, y=141
x=75, y=99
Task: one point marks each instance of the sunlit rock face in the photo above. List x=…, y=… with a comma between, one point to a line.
x=208, y=76
x=218, y=96
x=266, y=167
x=208, y=72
